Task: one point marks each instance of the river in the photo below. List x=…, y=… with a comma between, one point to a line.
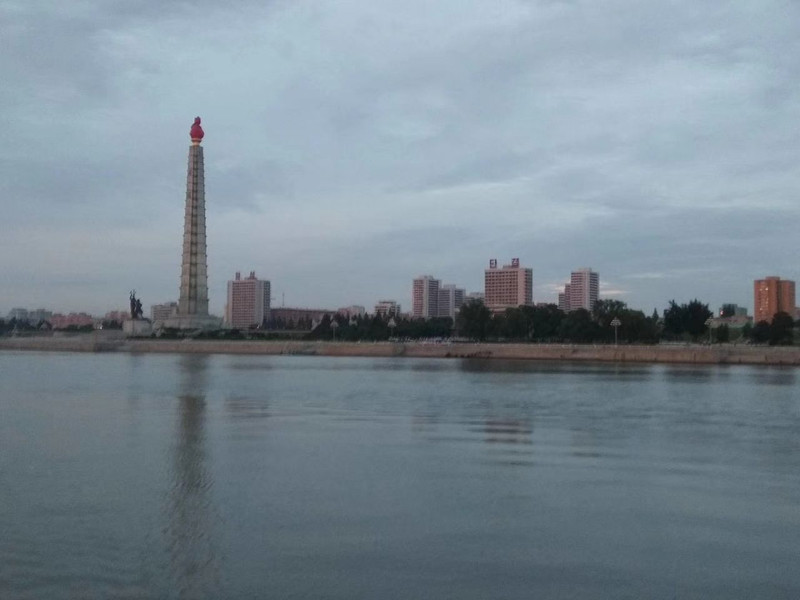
x=227, y=476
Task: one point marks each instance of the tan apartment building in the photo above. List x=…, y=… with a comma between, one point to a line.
x=507, y=287
x=771, y=296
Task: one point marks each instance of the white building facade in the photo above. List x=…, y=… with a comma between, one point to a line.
x=248, y=301
x=425, y=297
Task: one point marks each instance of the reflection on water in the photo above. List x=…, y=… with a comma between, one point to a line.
x=190, y=532
x=161, y=476
x=507, y=431
x=774, y=376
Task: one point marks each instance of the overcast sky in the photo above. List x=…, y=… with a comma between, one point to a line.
x=353, y=145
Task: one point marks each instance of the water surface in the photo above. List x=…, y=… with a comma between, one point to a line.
x=167, y=476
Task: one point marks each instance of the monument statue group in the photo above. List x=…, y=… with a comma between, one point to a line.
x=136, y=306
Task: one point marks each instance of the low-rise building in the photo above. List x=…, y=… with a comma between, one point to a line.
x=162, y=312
x=732, y=310
x=296, y=318
x=59, y=321
x=18, y=314
x=352, y=311
x=387, y=308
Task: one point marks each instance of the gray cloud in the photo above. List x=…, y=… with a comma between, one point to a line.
x=374, y=142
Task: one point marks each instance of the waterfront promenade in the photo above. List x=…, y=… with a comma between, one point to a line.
x=663, y=353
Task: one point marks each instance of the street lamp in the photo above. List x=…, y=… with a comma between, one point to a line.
x=615, y=323
x=708, y=323
x=334, y=326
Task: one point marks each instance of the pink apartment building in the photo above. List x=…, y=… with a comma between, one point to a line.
x=507, y=287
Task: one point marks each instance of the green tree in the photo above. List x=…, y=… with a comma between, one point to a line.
x=545, y=321
x=474, y=320
x=760, y=333
x=697, y=315
x=674, y=325
x=579, y=327
x=722, y=334
x=605, y=311
x=686, y=320
x=515, y=324
x=781, y=330
x=637, y=328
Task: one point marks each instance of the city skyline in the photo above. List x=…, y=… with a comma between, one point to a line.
x=351, y=148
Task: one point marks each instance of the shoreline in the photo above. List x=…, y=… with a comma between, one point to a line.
x=687, y=354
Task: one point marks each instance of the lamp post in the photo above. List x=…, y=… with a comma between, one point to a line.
x=334, y=327
x=708, y=323
x=615, y=323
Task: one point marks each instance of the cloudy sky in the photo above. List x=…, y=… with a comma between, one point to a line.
x=351, y=146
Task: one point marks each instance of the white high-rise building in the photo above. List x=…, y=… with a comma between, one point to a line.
x=248, y=301
x=425, y=297
x=582, y=291
x=563, y=299
x=450, y=300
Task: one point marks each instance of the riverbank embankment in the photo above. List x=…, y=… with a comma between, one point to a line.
x=665, y=353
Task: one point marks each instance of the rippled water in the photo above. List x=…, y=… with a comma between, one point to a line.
x=160, y=476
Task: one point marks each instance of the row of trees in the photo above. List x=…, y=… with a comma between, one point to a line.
x=687, y=322
x=680, y=322
x=377, y=328
x=778, y=333
x=12, y=326
x=523, y=324
x=610, y=320
x=549, y=324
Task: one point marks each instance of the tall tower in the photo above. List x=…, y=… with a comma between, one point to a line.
x=193, y=299
x=192, y=310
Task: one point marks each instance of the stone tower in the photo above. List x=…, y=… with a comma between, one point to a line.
x=192, y=311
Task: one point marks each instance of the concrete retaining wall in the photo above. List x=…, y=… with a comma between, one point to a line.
x=696, y=354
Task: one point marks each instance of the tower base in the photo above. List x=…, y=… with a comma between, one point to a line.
x=137, y=327
x=191, y=322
